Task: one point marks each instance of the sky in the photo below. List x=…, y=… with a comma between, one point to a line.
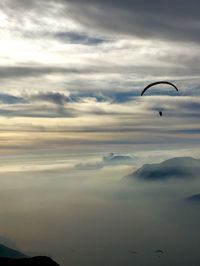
x=71, y=76
x=72, y=73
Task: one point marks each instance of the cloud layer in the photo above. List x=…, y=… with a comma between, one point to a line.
x=80, y=66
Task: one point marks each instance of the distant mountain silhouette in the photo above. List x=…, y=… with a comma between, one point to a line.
x=6, y=252
x=117, y=158
x=180, y=167
x=108, y=160
x=35, y=261
x=194, y=198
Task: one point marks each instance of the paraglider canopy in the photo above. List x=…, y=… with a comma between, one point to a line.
x=158, y=82
x=159, y=251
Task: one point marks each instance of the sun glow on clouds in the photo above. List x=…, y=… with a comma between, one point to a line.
x=84, y=83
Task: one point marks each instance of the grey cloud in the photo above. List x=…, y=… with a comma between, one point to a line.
x=130, y=129
x=71, y=37
x=191, y=105
x=123, y=97
x=78, y=96
x=53, y=97
x=154, y=19
x=178, y=70
x=78, y=38
x=88, y=166
x=61, y=100
x=176, y=20
x=176, y=107
x=11, y=99
x=21, y=4
x=106, y=95
x=7, y=72
x=24, y=104
x=42, y=111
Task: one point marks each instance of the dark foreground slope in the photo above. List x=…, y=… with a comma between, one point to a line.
x=12, y=257
x=10, y=253
x=36, y=261
x=181, y=167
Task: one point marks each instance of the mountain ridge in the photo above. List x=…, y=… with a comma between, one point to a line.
x=194, y=198
x=177, y=167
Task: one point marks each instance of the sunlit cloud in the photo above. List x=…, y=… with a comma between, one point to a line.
x=60, y=75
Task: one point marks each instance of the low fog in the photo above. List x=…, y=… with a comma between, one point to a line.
x=95, y=217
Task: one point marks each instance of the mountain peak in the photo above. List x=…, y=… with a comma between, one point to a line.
x=178, y=167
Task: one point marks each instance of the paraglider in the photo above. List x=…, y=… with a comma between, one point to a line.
x=134, y=252
x=157, y=83
x=159, y=251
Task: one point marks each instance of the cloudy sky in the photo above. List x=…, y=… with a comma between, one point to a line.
x=71, y=75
